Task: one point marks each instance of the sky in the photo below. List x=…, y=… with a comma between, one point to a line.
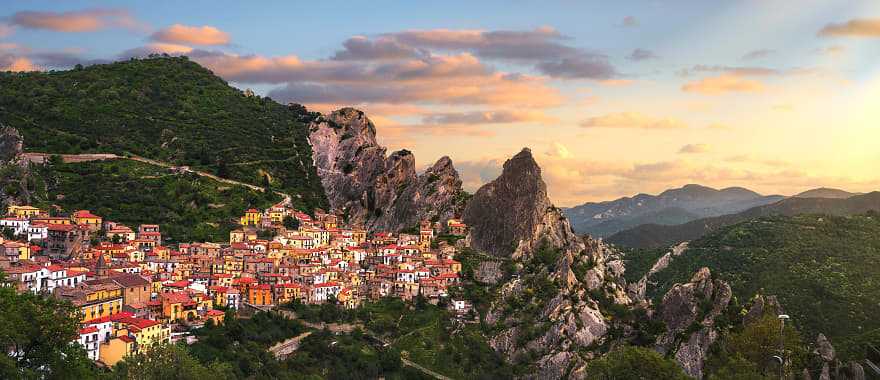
x=613, y=99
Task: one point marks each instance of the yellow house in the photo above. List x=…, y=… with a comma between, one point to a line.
x=277, y=214
x=24, y=250
x=86, y=218
x=94, y=301
x=146, y=332
x=23, y=211
x=116, y=349
x=251, y=217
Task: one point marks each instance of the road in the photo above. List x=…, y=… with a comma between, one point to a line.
x=40, y=158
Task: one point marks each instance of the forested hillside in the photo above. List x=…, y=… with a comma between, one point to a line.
x=823, y=269
x=169, y=109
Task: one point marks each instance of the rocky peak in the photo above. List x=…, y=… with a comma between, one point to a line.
x=375, y=191
x=507, y=216
x=10, y=144
x=682, y=309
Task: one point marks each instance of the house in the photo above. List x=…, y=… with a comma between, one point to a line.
x=260, y=295
x=18, y=226
x=90, y=341
x=65, y=240
x=94, y=301
x=135, y=288
x=321, y=292
x=116, y=349
x=23, y=211
x=86, y=218
x=456, y=227
x=251, y=217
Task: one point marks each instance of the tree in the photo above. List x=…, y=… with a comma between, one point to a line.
x=38, y=332
x=291, y=223
x=636, y=363
x=169, y=362
x=758, y=341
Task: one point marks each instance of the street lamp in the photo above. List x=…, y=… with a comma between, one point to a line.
x=782, y=319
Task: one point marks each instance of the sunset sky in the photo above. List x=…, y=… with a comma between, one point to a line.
x=613, y=99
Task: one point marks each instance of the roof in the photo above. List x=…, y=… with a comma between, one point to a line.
x=84, y=214
x=88, y=330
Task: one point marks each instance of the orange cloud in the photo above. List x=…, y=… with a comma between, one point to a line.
x=17, y=64
x=860, y=27
x=76, y=21
x=694, y=149
x=196, y=35
x=722, y=84
x=631, y=120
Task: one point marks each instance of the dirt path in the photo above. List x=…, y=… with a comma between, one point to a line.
x=283, y=349
x=40, y=158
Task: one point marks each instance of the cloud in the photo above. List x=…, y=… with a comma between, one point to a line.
x=641, y=55
x=629, y=22
x=631, y=120
x=9, y=62
x=860, y=27
x=758, y=54
x=488, y=117
x=362, y=48
x=155, y=48
x=195, y=35
x=723, y=84
x=88, y=20
x=587, y=66
x=730, y=70
x=544, y=48
x=558, y=150
x=6, y=29
x=832, y=51
x=475, y=173
x=694, y=149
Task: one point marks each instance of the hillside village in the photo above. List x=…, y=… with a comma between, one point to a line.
x=135, y=291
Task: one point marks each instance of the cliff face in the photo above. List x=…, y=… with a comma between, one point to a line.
x=373, y=190
x=562, y=281
x=17, y=182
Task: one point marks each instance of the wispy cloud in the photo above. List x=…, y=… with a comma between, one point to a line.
x=758, y=54
x=694, y=149
x=860, y=27
x=195, y=35
x=641, y=55
x=721, y=84
x=87, y=20
x=631, y=120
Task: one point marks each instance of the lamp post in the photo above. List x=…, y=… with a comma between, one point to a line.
x=782, y=319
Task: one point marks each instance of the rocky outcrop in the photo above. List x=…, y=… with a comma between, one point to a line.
x=509, y=215
x=512, y=218
x=17, y=183
x=689, y=310
x=375, y=191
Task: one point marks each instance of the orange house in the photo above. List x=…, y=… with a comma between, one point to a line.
x=86, y=218
x=260, y=295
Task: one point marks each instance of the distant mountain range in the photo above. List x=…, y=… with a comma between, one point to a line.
x=671, y=207
x=656, y=235
x=824, y=192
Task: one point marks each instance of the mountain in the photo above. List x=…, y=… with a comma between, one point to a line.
x=822, y=269
x=549, y=313
x=824, y=192
x=674, y=206
x=168, y=109
x=654, y=235
x=375, y=191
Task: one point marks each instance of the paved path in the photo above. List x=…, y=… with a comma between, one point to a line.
x=283, y=349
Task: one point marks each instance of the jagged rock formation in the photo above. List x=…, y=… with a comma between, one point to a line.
x=372, y=190
x=681, y=309
x=509, y=215
x=512, y=217
x=17, y=182
x=637, y=290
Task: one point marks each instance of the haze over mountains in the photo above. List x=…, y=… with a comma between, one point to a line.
x=674, y=206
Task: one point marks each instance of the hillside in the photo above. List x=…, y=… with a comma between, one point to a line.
x=187, y=207
x=824, y=192
x=655, y=235
x=169, y=109
x=822, y=269
x=674, y=206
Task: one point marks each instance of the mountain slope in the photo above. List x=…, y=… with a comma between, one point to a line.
x=824, y=192
x=375, y=191
x=169, y=109
x=653, y=235
x=823, y=269
x=674, y=206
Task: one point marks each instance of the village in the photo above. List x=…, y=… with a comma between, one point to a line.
x=135, y=290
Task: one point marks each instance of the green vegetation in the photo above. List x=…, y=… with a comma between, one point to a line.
x=169, y=362
x=743, y=352
x=639, y=261
x=426, y=334
x=634, y=363
x=186, y=206
x=39, y=329
x=823, y=269
x=169, y=109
